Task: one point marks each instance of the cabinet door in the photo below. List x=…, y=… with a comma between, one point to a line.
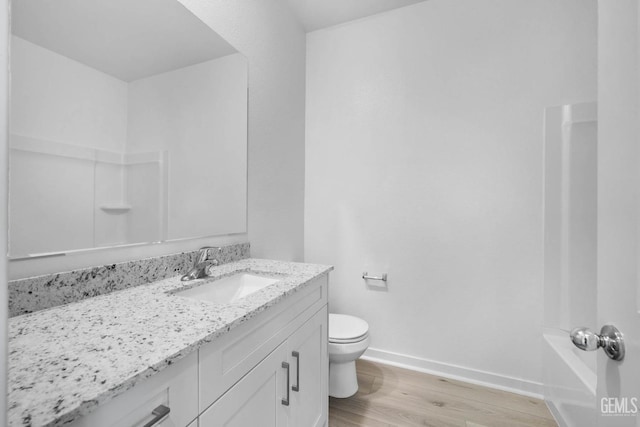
x=256, y=400
x=307, y=350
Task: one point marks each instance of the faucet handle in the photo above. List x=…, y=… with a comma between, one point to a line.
x=203, y=253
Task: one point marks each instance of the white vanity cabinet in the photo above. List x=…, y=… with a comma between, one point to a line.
x=287, y=388
x=272, y=370
x=286, y=344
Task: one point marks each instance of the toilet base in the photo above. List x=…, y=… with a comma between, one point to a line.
x=343, y=381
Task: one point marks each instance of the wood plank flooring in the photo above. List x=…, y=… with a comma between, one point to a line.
x=390, y=396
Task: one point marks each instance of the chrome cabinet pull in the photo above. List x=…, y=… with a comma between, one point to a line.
x=610, y=340
x=159, y=413
x=285, y=402
x=297, y=356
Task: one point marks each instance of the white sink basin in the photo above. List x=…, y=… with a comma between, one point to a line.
x=228, y=289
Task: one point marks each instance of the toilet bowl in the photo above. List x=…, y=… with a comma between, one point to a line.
x=348, y=340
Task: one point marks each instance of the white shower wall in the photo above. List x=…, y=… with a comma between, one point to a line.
x=424, y=160
x=570, y=260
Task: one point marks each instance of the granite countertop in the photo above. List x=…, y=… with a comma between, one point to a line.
x=67, y=360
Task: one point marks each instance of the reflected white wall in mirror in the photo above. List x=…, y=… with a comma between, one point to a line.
x=128, y=125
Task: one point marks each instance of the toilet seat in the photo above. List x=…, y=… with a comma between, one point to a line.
x=349, y=341
x=345, y=329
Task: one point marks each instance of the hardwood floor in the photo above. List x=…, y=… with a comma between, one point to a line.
x=390, y=396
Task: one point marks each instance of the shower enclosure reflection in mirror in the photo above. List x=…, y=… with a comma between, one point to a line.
x=128, y=125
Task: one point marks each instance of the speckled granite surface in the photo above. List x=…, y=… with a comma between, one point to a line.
x=51, y=290
x=65, y=361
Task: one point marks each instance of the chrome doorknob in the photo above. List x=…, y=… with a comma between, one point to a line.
x=610, y=340
x=585, y=339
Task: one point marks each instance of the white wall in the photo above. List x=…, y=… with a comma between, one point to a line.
x=274, y=44
x=65, y=101
x=198, y=114
x=424, y=160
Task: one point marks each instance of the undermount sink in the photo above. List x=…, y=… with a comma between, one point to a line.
x=228, y=289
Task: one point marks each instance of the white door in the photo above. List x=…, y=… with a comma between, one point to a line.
x=618, y=391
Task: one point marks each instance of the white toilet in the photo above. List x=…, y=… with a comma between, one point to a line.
x=348, y=339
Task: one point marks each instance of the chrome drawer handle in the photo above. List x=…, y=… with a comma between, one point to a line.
x=285, y=402
x=297, y=356
x=159, y=413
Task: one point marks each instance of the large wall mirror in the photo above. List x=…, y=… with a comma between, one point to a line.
x=128, y=125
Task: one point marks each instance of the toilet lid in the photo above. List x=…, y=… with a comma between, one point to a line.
x=345, y=328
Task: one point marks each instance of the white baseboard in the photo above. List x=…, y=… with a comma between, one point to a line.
x=556, y=414
x=473, y=376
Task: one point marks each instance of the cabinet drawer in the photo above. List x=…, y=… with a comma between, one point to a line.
x=176, y=387
x=223, y=362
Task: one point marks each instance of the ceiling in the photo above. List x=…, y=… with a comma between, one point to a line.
x=317, y=14
x=126, y=39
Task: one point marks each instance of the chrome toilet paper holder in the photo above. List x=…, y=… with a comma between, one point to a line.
x=366, y=276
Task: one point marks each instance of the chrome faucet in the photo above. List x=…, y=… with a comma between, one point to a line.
x=202, y=264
